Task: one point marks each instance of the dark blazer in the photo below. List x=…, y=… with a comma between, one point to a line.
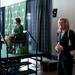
x=64, y=41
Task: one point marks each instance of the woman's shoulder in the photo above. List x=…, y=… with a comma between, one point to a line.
x=21, y=27
x=71, y=32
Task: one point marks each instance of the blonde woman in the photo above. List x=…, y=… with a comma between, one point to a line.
x=65, y=43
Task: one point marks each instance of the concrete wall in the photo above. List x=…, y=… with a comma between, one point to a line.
x=65, y=8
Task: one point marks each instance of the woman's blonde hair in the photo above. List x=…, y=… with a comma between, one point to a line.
x=66, y=22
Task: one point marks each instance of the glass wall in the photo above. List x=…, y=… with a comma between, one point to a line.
x=38, y=23
x=33, y=23
x=35, y=17
x=11, y=12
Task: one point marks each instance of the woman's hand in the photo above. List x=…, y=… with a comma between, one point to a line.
x=59, y=48
x=11, y=35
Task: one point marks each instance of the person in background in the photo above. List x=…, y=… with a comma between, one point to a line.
x=65, y=43
x=18, y=30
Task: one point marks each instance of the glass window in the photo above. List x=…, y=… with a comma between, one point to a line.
x=11, y=12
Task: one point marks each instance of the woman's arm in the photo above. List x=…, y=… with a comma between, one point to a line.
x=18, y=31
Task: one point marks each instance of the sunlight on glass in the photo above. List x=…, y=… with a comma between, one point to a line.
x=10, y=2
x=28, y=16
